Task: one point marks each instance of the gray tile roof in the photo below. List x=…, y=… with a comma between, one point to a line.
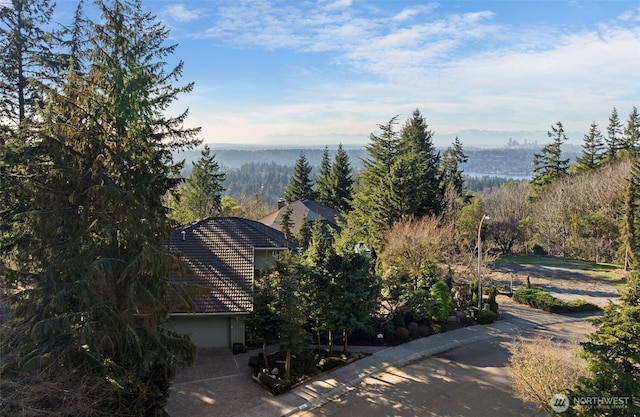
x=305, y=211
x=220, y=252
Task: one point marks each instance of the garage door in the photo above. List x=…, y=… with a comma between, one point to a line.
x=205, y=332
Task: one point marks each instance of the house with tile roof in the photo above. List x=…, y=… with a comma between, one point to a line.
x=305, y=211
x=224, y=254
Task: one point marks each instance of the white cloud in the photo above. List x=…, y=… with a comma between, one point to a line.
x=411, y=12
x=356, y=40
x=631, y=15
x=180, y=13
x=338, y=4
x=462, y=70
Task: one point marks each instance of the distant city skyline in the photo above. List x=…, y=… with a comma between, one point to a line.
x=324, y=72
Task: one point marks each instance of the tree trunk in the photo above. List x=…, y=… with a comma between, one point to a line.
x=264, y=355
x=627, y=261
x=344, y=339
x=330, y=342
x=287, y=366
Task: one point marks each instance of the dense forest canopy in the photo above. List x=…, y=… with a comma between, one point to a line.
x=266, y=171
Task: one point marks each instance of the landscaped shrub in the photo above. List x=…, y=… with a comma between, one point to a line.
x=398, y=320
x=493, y=304
x=330, y=363
x=579, y=306
x=402, y=334
x=424, y=331
x=413, y=330
x=443, y=304
x=539, y=250
x=473, y=292
x=274, y=384
x=304, y=365
x=368, y=331
x=541, y=299
x=255, y=363
x=409, y=315
x=388, y=331
x=486, y=316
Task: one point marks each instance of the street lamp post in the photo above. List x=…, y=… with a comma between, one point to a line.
x=484, y=217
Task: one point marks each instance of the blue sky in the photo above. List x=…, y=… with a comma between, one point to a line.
x=329, y=71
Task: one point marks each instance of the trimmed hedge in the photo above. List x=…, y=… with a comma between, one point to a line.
x=542, y=300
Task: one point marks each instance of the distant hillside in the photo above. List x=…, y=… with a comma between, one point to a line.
x=266, y=172
x=235, y=158
x=514, y=162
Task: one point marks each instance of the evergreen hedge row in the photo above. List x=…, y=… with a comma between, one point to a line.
x=541, y=299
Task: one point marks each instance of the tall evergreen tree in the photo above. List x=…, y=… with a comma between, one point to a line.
x=303, y=236
x=357, y=291
x=203, y=190
x=416, y=138
x=288, y=277
x=286, y=223
x=323, y=181
x=405, y=180
x=334, y=184
x=319, y=246
x=320, y=297
x=300, y=184
x=89, y=244
x=263, y=323
x=549, y=165
x=27, y=60
x=592, y=150
x=631, y=133
x=630, y=228
x=613, y=354
x=613, y=140
x=341, y=180
x=372, y=212
x=399, y=181
x=450, y=172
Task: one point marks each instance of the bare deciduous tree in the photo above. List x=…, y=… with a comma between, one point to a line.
x=508, y=205
x=575, y=204
x=411, y=243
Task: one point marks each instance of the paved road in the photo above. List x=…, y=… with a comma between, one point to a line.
x=468, y=381
x=459, y=372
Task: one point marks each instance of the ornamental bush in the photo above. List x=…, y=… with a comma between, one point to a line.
x=330, y=363
x=486, y=317
x=402, y=334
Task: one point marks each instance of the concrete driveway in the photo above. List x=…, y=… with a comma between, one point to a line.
x=219, y=384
